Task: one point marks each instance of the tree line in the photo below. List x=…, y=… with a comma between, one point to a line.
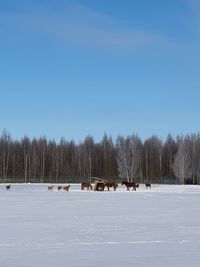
x=127, y=158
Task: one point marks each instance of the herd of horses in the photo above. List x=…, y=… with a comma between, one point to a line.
x=99, y=186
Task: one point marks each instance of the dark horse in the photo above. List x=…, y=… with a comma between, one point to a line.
x=129, y=185
x=99, y=186
x=86, y=185
x=8, y=187
x=148, y=185
x=111, y=184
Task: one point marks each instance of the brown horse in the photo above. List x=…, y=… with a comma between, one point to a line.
x=50, y=188
x=111, y=184
x=66, y=188
x=129, y=185
x=148, y=185
x=88, y=186
x=8, y=187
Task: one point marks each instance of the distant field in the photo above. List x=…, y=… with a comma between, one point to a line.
x=157, y=227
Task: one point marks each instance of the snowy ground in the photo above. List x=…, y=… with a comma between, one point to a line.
x=157, y=227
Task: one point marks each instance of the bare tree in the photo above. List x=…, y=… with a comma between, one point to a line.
x=88, y=148
x=182, y=162
x=169, y=152
x=123, y=157
x=129, y=154
x=153, y=157
x=43, y=146
x=5, y=142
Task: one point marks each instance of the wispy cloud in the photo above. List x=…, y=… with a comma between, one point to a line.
x=80, y=26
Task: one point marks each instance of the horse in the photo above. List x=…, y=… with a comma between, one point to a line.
x=100, y=186
x=129, y=185
x=111, y=184
x=8, y=187
x=59, y=187
x=148, y=185
x=137, y=185
x=86, y=185
x=66, y=188
x=50, y=188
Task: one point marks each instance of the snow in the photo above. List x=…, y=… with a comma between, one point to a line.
x=157, y=227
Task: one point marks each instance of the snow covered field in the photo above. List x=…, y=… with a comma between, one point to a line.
x=157, y=227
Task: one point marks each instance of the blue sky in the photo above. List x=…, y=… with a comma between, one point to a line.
x=73, y=68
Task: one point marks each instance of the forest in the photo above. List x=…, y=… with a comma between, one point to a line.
x=174, y=160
